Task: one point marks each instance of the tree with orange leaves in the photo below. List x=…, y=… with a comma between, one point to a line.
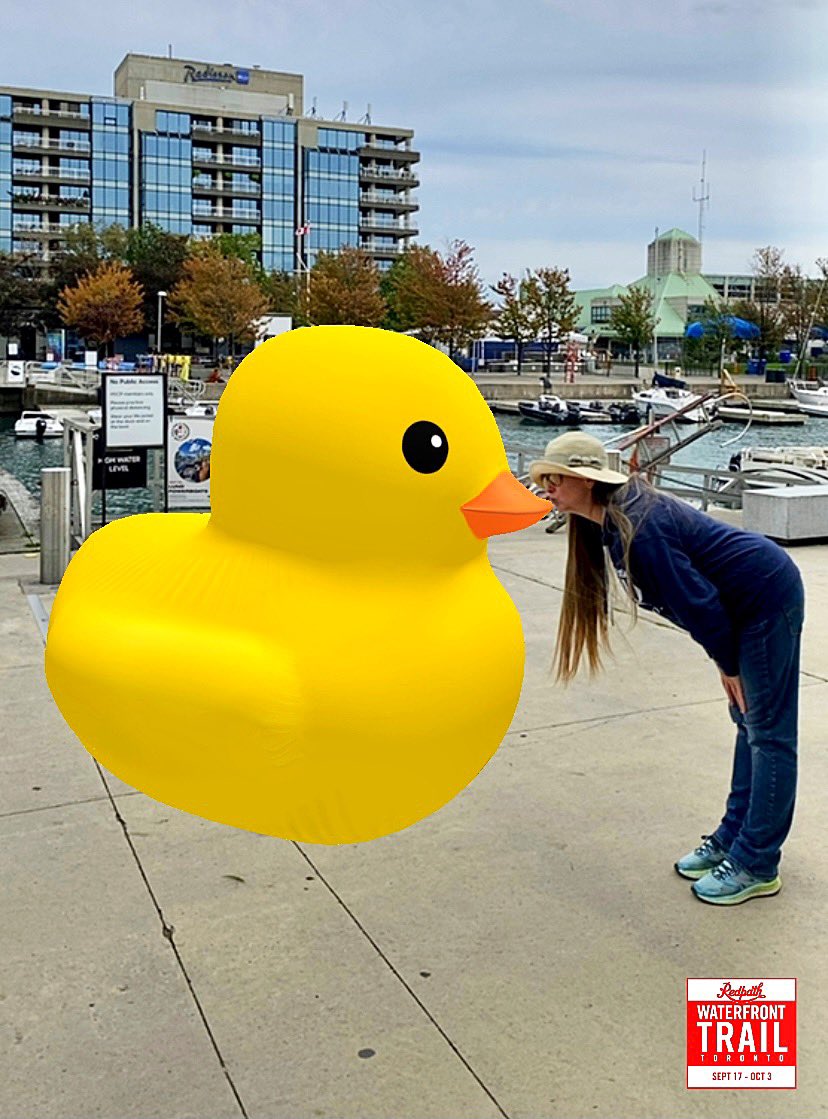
x=343, y=287
x=103, y=305
x=218, y=296
x=440, y=297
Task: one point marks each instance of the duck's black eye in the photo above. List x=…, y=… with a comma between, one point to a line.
x=425, y=447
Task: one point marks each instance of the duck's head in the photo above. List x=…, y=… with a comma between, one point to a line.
x=362, y=445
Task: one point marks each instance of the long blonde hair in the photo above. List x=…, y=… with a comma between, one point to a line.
x=583, y=628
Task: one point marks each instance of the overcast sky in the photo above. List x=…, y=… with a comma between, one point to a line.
x=552, y=132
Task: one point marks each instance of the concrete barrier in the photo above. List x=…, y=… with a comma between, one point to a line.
x=787, y=512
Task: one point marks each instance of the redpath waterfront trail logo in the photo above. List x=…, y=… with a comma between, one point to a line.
x=741, y=1033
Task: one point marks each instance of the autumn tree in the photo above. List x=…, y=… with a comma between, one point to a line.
x=766, y=310
x=343, y=287
x=218, y=297
x=513, y=319
x=804, y=303
x=103, y=305
x=85, y=248
x=633, y=320
x=439, y=297
x=412, y=289
x=552, y=309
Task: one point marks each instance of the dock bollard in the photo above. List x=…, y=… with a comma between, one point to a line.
x=55, y=510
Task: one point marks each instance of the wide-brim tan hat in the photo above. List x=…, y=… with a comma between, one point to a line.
x=578, y=454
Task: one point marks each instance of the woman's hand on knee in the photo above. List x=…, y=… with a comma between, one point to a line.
x=734, y=692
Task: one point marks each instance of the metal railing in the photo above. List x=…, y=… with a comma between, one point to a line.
x=393, y=199
x=50, y=144
x=26, y=199
x=388, y=173
x=40, y=227
x=51, y=173
x=388, y=250
x=227, y=160
x=234, y=215
x=39, y=111
x=207, y=126
x=60, y=375
x=226, y=188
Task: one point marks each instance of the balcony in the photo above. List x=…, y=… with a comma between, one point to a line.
x=401, y=201
x=216, y=160
x=392, y=228
x=46, y=144
x=375, y=150
x=217, y=131
x=211, y=186
x=52, y=173
x=381, y=250
x=253, y=216
x=383, y=174
x=41, y=229
x=27, y=200
x=30, y=114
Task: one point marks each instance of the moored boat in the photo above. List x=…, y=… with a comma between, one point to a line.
x=550, y=410
x=37, y=425
x=811, y=399
x=665, y=402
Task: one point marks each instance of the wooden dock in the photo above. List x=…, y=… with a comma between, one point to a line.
x=765, y=418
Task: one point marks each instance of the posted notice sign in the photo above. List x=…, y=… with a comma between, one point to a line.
x=133, y=410
x=741, y=1033
x=188, y=463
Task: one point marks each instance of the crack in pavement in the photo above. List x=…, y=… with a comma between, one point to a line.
x=168, y=930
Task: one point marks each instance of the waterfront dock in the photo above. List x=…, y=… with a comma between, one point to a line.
x=522, y=952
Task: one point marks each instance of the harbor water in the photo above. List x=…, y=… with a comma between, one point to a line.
x=25, y=458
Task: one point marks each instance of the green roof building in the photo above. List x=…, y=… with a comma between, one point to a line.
x=675, y=281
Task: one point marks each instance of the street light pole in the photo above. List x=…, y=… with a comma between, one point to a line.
x=161, y=296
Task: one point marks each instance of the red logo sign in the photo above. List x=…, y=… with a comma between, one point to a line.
x=741, y=1033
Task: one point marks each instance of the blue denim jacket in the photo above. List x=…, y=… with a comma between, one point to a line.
x=706, y=576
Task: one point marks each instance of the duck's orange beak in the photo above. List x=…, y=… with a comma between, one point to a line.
x=504, y=506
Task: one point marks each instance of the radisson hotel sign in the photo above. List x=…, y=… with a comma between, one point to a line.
x=211, y=74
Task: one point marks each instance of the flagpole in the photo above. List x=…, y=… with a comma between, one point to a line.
x=302, y=231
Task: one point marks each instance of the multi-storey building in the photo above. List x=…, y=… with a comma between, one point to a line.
x=203, y=148
x=678, y=288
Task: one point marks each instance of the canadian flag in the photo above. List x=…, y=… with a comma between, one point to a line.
x=302, y=230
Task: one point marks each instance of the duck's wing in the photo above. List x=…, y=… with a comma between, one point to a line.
x=195, y=715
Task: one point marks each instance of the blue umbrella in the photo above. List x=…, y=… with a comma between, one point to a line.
x=739, y=328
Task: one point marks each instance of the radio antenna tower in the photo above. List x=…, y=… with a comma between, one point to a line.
x=704, y=196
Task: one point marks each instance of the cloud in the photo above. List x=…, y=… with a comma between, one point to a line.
x=555, y=131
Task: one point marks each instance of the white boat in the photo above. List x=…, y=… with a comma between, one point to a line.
x=664, y=402
x=206, y=409
x=812, y=400
x=550, y=410
x=34, y=425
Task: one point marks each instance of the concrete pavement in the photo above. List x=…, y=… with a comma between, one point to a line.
x=521, y=953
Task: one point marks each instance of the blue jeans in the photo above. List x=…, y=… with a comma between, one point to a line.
x=760, y=806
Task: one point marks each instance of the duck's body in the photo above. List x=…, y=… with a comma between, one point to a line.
x=323, y=694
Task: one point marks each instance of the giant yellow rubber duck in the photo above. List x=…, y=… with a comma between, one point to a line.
x=327, y=656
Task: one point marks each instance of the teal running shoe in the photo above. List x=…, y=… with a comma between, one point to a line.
x=697, y=863
x=727, y=884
